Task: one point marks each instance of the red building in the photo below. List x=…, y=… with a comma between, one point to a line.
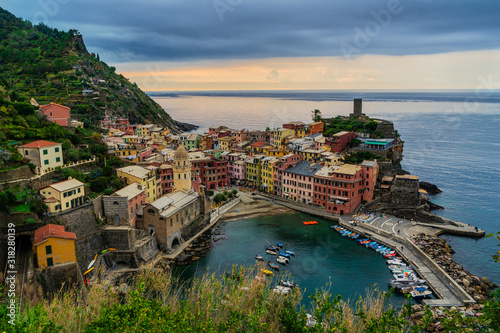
x=340, y=141
x=340, y=189
x=166, y=178
x=56, y=113
x=294, y=125
x=212, y=172
x=315, y=128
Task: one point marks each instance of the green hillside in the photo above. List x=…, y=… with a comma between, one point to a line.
x=49, y=65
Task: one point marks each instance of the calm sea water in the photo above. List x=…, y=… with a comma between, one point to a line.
x=451, y=140
x=322, y=255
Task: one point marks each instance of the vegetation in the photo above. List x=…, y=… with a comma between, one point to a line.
x=496, y=256
x=156, y=302
x=359, y=157
x=340, y=124
x=224, y=196
x=54, y=66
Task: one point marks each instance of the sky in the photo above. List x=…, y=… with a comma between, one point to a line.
x=285, y=44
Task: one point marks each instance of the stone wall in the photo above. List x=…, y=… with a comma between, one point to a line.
x=87, y=247
x=115, y=205
x=23, y=172
x=120, y=238
x=80, y=220
x=53, y=278
x=98, y=207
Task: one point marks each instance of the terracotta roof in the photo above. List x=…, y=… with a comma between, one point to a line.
x=258, y=144
x=51, y=230
x=50, y=105
x=39, y=144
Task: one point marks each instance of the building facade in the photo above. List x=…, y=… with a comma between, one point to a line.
x=54, y=246
x=44, y=154
x=64, y=195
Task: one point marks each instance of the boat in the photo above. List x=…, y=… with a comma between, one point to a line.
x=279, y=244
x=391, y=267
x=282, y=261
x=272, y=248
x=288, y=284
x=310, y=222
x=284, y=258
x=418, y=293
x=259, y=257
x=284, y=254
x=267, y=272
x=271, y=252
x=273, y=266
x=282, y=290
x=395, y=262
x=290, y=252
x=91, y=264
x=88, y=271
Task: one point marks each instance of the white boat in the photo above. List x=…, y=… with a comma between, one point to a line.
x=391, y=267
x=282, y=290
x=420, y=293
x=281, y=261
x=284, y=258
x=400, y=271
x=91, y=264
x=288, y=284
x=395, y=262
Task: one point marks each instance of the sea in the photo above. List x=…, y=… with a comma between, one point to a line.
x=451, y=139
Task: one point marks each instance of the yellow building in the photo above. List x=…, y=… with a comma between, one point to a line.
x=53, y=246
x=182, y=170
x=130, y=154
x=44, y=154
x=280, y=134
x=267, y=172
x=276, y=152
x=224, y=142
x=253, y=166
x=63, y=195
x=145, y=177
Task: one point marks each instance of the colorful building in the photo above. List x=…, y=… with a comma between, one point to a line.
x=340, y=141
x=298, y=181
x=121, y=207
x=284, y=163
x=277, y=136
x=253, y=167
x=315, y=128
x=44, y=154
x=54, y=246
x=64, y=195
x=267, y=171
x=56, y=113
x=143, y=176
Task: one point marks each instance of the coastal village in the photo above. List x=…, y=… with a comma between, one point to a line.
x=178, y=185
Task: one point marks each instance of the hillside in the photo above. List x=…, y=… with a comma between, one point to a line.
x=49, y=65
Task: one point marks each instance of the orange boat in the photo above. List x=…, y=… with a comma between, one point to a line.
x=310, y=222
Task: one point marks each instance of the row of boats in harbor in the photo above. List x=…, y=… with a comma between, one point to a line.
x=405, y=279
x=282, y=256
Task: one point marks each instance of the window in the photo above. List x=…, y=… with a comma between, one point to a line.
x=26, y=152
x=58, y=159
x=67, y=204
x=50, y=262
x=48, y=249
x=78, y=190
x=46, y=162
x=57, y=149
x=45, y=151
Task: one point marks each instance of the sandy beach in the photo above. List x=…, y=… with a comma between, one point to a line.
x=250, y=207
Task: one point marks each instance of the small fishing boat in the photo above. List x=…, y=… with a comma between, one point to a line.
x=273, y=266
x=290, y=252
x=271, y=252
x=267, y=272
x=282, y=261
x=282, y=290
x=88, y=271
x=259, y=257
x=419, y=293
x=288, y=284
x=272, y=248
x=284, y=258
x=279, y=244
x=284, y=254
x=91, y=264
x=395, y=262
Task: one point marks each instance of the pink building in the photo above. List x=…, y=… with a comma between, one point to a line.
x=236, y=168
x=298, y=181
x=122, y=206
x=284, y=163
x=56, y=113
x=340, y=141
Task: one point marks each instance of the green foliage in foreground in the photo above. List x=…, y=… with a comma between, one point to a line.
x=156, y=303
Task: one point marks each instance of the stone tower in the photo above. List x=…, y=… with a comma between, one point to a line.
x=358, y=109
x=182, y=170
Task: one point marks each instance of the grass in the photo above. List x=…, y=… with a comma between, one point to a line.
x=23, y=208
x=157, y=302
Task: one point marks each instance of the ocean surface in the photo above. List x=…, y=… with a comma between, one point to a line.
x=452, y=139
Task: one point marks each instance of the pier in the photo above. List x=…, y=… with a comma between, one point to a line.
x=396, y=233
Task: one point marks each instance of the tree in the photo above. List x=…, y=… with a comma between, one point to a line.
x=371, y=126
x=496, y=257
x=316, y=115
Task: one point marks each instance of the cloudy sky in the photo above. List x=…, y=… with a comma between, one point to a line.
x=285, y=44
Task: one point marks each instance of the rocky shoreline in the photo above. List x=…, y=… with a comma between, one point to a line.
x=478, y=288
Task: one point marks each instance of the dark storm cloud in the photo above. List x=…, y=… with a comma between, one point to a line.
x=227, y=29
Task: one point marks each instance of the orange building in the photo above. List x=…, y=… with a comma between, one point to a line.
x=53, y=246
x=56, y=113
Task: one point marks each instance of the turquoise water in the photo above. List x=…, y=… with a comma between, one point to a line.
x=322, y=255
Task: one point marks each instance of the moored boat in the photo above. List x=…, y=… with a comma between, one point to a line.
x=290, y=252
x=259, y=257
x=288, y=284
x=278, y=244
x=267, y=272
x=284, y=254
x=284, y=258
x=282, y=261
x=282, y=290
x=273, y=266
x=419, y=293
x=271, y=252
